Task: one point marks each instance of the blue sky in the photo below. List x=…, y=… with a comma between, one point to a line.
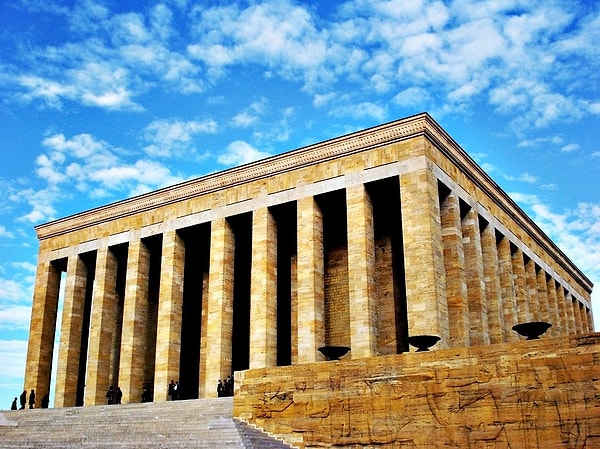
x=102, y=100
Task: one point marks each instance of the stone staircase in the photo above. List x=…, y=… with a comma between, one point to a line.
x=201, y=423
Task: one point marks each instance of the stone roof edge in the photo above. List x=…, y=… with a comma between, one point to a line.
x=405, y=128
x=305, y=156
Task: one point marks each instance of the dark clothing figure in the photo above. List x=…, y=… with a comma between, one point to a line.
x=32, y=399
x=118, y=395
x=177, y=391
x=172, y=391
x=23, y=399
x=220, y=389
x=110, y=395
x=229, y=386
x=45, y=401
x=13, y=406
x=146, y=395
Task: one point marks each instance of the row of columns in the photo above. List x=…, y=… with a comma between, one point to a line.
x=463, y=282
x=492, y=284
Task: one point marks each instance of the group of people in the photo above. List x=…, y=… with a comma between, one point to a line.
x=23, y=400
x=225, y=388
x=114, y=395
x=174, y=392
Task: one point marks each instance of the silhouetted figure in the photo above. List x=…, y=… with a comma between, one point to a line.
x=32, y=399
x=177, y=391
x=45, y=400
x=146, y=395
x=118, y=395
x=13, y=406
x=172, y=390
x=110, y=395
x=220, y=389
x=229, y=386
x=23, y=399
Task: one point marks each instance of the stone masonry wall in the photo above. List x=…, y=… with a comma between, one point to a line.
x=527, y=394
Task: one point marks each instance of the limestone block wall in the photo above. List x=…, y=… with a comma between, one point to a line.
x=528, y=394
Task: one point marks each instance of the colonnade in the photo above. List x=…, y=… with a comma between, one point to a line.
x=364, y=265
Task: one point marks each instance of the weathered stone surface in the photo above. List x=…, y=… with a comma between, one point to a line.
x=527, y=394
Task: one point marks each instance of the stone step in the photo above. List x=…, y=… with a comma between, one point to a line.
x=201, y=423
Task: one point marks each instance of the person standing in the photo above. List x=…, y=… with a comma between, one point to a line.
x=172, y=390
x=45, y=400
x=13, y=406
x=23, y=399
x=118, y=395
x=110, y=395
x=32, y=399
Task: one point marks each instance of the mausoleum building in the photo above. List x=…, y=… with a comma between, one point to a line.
x=360, y=241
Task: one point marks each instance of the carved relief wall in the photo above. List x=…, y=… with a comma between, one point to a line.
x=530, y=394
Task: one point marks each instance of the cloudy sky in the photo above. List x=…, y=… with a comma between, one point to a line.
x=101, y=100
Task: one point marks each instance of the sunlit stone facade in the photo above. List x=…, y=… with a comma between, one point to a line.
x=359, y=241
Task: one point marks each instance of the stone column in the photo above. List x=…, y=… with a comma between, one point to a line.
x=586, y=322
x=311, y=290
x=521, y=291
x=42, y=328
x=509, y=307
x=133, y=341
x=553, y=312
x=570, y=313
x=454, y=263
x=170, y=306
x=562, y=310
x=263, y=290
x=102, y=328
x=294, y=307
x=203, y=392
x=361, y=273
x=577, y=315
x=71, y=333
x=427, y=305
x=479, y=330
x=493, y=287
x=532, y=291
x=544, y=304
x=219, y=321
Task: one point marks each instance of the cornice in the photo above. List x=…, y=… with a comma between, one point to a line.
x=310, y=155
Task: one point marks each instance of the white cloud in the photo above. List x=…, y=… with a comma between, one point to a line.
x=280, y=35
x=513, y=53
x=570, y=148
x=575, y=231
x=5, y=233
x=250, y=115
x=175, y=138
x=529, y=143
x=15, y=317
x=240, y=152
x=41, y=203
x=360, y=111
x=12, y=291
x=95, y=168
x=523, y=177
x=12, y=361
